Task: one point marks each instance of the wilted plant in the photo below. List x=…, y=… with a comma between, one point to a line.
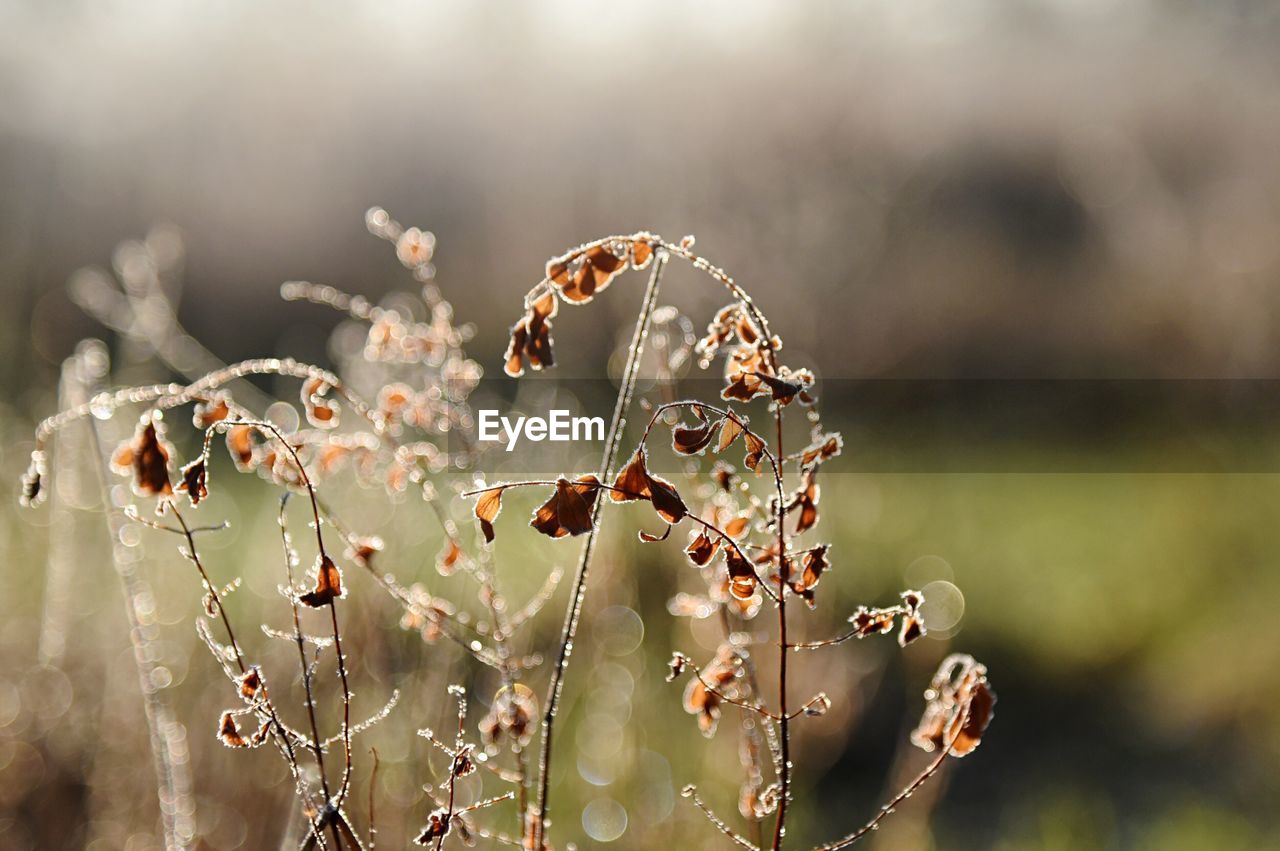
x=401, y=420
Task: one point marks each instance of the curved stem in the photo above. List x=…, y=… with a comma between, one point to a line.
x=573, y=613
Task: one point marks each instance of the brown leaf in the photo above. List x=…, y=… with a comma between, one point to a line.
x=328, y=584
x=722, y=475
x=195, y=481
x=912, y=622
x=146, y=458
x=742, y=576
x=240, y=445
x=688, y=440
x=960, y=705
x=755, y=451
x=912, y=628
x=250, y=682
x=872, y=621
x=633, y=482
x=812, y=566
x=729, y=432
x=215, y=409
x=568, y=511
x=982, y=702
x=538, y=326
x=437, y=827
x=595, y=269
x=806, y=499
x=641, y=253
x=321, y=411
x=781, y=391
x=650, y=538
x=666, y=500
x=448, y=557
x=743, y=388
x=702, y=549
x=514, y=366
x=735, y=527
x=487, y=508
x=229, y=731
x=826, y=446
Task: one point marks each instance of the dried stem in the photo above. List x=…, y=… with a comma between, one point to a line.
x=784, y=722
x=577, y=594
x=907, y=791
x=177, y=809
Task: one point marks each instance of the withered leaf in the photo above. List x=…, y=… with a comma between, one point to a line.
x=781, y=391
x=755, y=451
x=538, y=326
x=488, y=506
x=806, y=499
x=666, y=500
x=146, y=457
x=676, y=666
x=982, y=702
x=729, y=432
x=514, y=356
x=229, y=732
x=912, y=628
x=960, y=705
x=596, y=268
x=872, y=621
x=195, y=481
x=328, y=584
x=641, y=253
x=912, y=622
x=250, y=682
x=448, y=557
x=735, y=527
x=633, y=482
x=321, y=411
x=742, y=576
x=826, y=446
x=215, y=409
x=240, y=445
x=437, y=827
x=743, y=387
x=702, y=549
x=650, y=538
x=568, y=511
x=688, y=440
x=722, y=475
x=812, y=566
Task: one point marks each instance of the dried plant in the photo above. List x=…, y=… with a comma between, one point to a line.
x=396, y=414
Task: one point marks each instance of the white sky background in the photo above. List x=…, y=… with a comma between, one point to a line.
x=809, y=145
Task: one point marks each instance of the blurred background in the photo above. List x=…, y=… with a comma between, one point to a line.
x=917, y=191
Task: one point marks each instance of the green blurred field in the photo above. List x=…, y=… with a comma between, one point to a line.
x=1126, y=620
